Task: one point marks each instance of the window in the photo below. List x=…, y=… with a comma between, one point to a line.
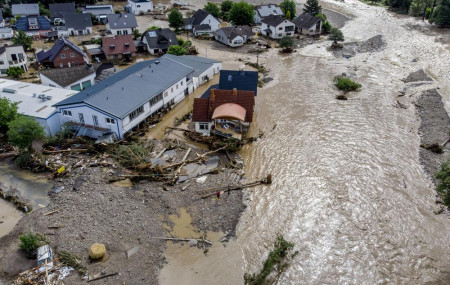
x=95, y=120
x=205, y=78
x=280, y=35
x=81, y=116
x=1, y=61
x=156, y=99
x=181, y=83
x=177, y=86
x=66, y=48
x=67, y=113
x=72, y=55
x=280, y=28
x=21, y=56
x=14, y=57
x=171, y=89
x=166, y=94
x=119, y=33
x=76, y=87
x=125, y=32
x=136, y=113
x=63, y=56
x=86, y=84
x=203, y=126
x=110, y=121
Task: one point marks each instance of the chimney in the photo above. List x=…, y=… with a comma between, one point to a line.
x=234, y=92
x=212, y=95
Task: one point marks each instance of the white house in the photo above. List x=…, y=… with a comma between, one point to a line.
x=204, y=68
x=139, y=6
x=234, y=36
x=121, y=102
x=6, y=33
x=74, y=78
x=121, y=24
x=36, y=101
x=12, y=56
x=2, y=20
x=308, y=25
x=201, y=22
x=263, y=11
x=277, y=27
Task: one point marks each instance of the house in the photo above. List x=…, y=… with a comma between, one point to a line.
x=122, y=101
x=204, y=68
x=234, y=36
x=118, y=47
x=138, y=7
x=62, y=54
x=277, y=27
x=74, y=78
x=101, y=12
x=224, y=112
x=36, y=101
x=57, y=11
x=34, y=26
x=240, y=80
x=158, y=41
x=201, y=22
x=121, y=24
x=12, y=56
x=308, y=25
x=6, y=33
x=2, y=20
x=24, y=10
x=94, y=52
x=78, y=24
x=263, y=11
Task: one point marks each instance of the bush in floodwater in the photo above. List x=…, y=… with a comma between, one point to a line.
x=24, y=160
x=435, y=147
x=346, y=84
x=278, y=259
x=30, y=242
x=444, y=182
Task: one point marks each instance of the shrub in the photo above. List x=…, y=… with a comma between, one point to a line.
x=23, y=131
x=326, y=27
x=336, y=35
x=176, y=50
x=72, y=260
x=14, y=71
x=287, y=43
x=444, y=182
x=30, y=242
x=23, y=160
x=346, y=84
x=152, y=28
x=132, y=155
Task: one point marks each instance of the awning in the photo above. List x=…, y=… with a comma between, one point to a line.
x=229, y=111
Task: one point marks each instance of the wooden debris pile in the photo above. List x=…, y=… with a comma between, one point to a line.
x=49, y=276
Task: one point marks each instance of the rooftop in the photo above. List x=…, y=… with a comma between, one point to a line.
x=197, y=63
x=232, y=32
x=269, y=9
x=118, y=45
x=305, y=21
x=77, y=21
x=241, y=80
x=129, y=89
x=160, y=38
x=23, y=23
x=25, y=9
x=67, y=75
x=27, y=95
x=57, y=10
x=273, y=20
x=56, y=48
x=120, y=21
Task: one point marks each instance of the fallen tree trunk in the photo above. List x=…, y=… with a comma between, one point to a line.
x=267, y=180
x=185, y=239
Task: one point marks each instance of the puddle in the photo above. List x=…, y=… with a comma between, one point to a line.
x=223, y=264
x=31, y=187
x=9, y=216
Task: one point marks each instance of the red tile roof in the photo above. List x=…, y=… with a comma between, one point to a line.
x=118, y=45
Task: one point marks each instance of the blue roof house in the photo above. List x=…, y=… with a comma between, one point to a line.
x=34, y=26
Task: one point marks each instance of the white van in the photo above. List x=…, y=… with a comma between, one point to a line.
x=44, y=253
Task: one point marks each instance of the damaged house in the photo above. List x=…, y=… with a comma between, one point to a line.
x=202, y=22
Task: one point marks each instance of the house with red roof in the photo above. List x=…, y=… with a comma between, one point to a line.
x=119, y=47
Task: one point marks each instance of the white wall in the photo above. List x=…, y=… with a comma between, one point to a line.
x=213, y=22
x=48, y=82
x=144, y=7
x=279, y=31
x=129, y=31
x=6, y=57
x=73, y=32
x=198, y=130
x=6, y=35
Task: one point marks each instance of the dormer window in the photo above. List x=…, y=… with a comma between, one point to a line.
x=112, y=46
x=127, y=44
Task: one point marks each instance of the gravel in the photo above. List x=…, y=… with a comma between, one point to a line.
x=374, y=44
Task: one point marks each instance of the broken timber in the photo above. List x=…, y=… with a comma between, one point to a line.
x=185, y=239
x=267, y=180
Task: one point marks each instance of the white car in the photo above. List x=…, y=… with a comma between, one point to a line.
x=44, y=253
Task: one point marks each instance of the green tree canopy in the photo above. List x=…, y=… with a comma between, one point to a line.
x=22, y=39
x=241, y=13
x=289, y=9
x=23, y=131
x=176, y=50
x=14, y=71
x=176, y=19
x=336, y=35
x=441, y=15
x=152, y=28
x=136, y=34
x=213, y=9
x=444, y=182
x=226, y=6
x=312, y=7
x=8, y=112
x=286, y=43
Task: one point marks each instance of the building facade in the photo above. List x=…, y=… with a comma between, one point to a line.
x=12, y=56
x=138, y=7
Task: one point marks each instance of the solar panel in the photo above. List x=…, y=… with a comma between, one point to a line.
x=152, y=34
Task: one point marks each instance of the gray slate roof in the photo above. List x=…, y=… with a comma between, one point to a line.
x=98, y=10
x=55, y=49
x=140, y=1
x=78, y=21
x=25, y=9
x=197, y=18
x=233, y=32
x=306, y=21
x=122, y=21
x=66, y=76
x=160, y=38
x=1, y=15
x=129, y=89
x=57, y=10
x=203, y=27
x=199, y=64
x=273, y=20
x=270, y=9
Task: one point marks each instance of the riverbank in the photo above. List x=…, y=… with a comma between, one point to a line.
x=124, y=216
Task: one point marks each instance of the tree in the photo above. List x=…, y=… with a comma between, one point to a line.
x=286, y=43
x=241, y=13
x=289, y=9
x=441, y=15
x=176, y=50
x=346, y=84
x=136, y=34
x=312, y=7
x=43, y=10
x=152, y=28
x=336, y=35
x=326, y=26
x=8, y=112
x=23, y=131
x=14, y=71
x=213, y=9
x=22, y=39
x=226, y=6
x=444, y=181
x=176, y=19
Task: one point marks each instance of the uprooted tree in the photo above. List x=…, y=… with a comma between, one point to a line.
x=444, y=182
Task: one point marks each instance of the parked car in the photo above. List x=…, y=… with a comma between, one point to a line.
x=44, y=253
